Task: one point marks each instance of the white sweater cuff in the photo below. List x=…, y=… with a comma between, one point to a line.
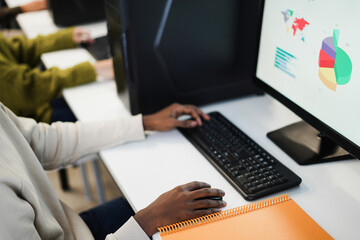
x=130, y=230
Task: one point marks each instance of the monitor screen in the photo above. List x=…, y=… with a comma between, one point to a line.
x=308, y=58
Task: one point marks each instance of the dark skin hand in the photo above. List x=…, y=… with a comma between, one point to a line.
x=181, y=203
x=167, y=118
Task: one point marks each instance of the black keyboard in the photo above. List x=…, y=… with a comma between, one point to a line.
x=99, y=49
x=247, y=166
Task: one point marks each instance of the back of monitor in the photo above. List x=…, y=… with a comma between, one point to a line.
x=74, y=12
x=192, y=52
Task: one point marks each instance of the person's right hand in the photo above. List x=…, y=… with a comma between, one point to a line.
x=81, y=35
x=104, y=68
x=181, y=203
x=167, y=118
x=34, y=6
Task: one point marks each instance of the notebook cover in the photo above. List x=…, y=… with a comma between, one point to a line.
x=270, y=220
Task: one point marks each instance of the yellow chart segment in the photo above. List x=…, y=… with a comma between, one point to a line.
x=327, y=76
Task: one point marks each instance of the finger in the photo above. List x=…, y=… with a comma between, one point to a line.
x=207, y=203
x=203, y=212
x=186, y=123
x=207, y=192
x=199, y=112
x=85, y=36
x=183, y=110
x=195, y=185
x=91, y=40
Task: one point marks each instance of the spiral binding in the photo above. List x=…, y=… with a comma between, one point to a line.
x=180, y=226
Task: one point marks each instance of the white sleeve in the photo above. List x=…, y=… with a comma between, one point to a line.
x=17, y=215
x=130, y=230
x=60, y=143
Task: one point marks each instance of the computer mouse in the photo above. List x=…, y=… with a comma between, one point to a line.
x=218, y=198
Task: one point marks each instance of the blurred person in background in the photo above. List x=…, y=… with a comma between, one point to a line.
x=9, y=14
x=31, y=92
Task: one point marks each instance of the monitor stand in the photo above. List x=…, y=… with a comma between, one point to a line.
x=306, y=145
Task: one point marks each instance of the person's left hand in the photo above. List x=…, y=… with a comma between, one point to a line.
x=167, y=118
x=81, y=35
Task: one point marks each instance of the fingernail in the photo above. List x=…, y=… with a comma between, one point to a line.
x=193, y=124
x=223, y=203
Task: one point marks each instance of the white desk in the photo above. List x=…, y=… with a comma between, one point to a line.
x=16, y=3
x=329, y=193
x=35, y=23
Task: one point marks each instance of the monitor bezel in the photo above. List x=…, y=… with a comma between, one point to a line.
x=341, y=140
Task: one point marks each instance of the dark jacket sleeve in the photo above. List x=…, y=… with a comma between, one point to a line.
x=8, y=14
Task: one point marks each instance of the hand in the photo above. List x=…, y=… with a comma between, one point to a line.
x=81, y=35
x=34, y=6
x=179, y=204
x=104, y=68
x=167, y=118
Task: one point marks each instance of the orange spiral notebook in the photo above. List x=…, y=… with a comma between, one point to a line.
x=275, y=218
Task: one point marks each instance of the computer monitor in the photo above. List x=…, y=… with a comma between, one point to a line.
x=308, y=57
x=187, y=51
x=73, y=12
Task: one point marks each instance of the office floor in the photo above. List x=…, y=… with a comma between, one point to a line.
x=75, y=198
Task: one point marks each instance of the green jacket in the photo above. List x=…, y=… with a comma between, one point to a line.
x=24, y=88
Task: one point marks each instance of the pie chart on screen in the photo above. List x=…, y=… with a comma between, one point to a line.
x=335, y=66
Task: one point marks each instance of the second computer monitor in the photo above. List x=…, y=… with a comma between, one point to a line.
x=196, y=52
